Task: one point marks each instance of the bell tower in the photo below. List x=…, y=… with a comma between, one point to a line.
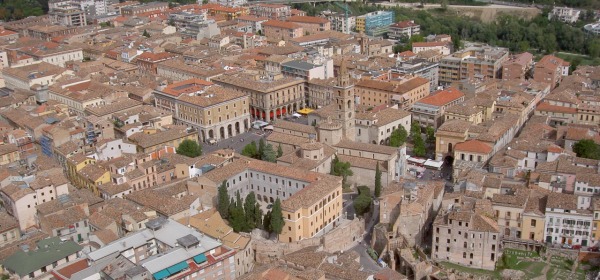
x=343, y=97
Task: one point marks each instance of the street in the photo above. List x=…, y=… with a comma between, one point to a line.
x=233, y=142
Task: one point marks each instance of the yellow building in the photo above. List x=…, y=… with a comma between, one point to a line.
x=309, y=212
x=9, y=153
x=534, y=219
x=83, y=172
x=404, y=93
x=508, y=209
x=360, y=24
x=596, y=223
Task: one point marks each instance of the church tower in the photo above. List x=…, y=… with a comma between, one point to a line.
x=343, y=97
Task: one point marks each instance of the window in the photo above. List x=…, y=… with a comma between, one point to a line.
x=533, y=222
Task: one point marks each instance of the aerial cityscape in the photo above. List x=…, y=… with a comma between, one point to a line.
x=299, y=139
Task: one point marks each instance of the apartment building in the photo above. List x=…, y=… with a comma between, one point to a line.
x=180, y=70
x=464, y=234
x=24, y=77
x=429, y=111
x=20, y=198
x=534, y=216
x=404, y=93
x=9, y=153
x=441, y=48
x=152, y=139
x=404, y=29
x=270, y=98
x=135, y=10
x=84, y=173
x=340, y=21
x=230, y=13
x=550, y=69
x=517, y=67
x=420, y=67
x=564, y=14
x=311, y=202
x=68, y=14
x=271, y=11
x=313, y=69
x=319, y=92
x=217, y=113
x=47, y=32
x=282, y=30
x=375, y=23
x=79, y=94
x=474, y=61
x=565, y=223
x=167, y=249
x=255, y=21
x=311, y=25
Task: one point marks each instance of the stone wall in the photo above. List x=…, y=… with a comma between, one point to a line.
x=341, y=238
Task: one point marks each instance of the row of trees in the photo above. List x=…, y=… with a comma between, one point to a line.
x=18, y=9
x=262, y=151
x=246, y=215
x=400, y=136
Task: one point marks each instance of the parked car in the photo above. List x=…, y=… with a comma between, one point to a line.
x=576, y=247
x=593, y=249
x=567, y=246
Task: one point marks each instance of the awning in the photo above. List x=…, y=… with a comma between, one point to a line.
x=200, y=258
x=178, y=267
x=305, y=111
x=161, y=274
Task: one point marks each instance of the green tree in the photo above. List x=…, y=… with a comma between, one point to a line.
x=377, y=181
x=363, y=201
x=189, y=148
x=279, y=151
x=398, y=137
x=587, y=148
x=223, y=201
x=415, y=129
x=430, y=134
x=146, y=34
x=342, y=169
x=252, y=221
x=237, y=218
x=276, y=224
x=250, y=150
x=267, y=221
x=269, y=154
x=204, y=1
x=419, y=146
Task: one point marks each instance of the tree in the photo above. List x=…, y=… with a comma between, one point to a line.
x=252, y=221
x=363, y=201
x=269, y=154
x=377, y=181
x=267, y=221
x=146, y=34
x=223, y=201
x=419, y=146
x=430, y=134
x=587, y=148
x=204, y=1
x=261, y=148
x=342, y=169
x=276, y=224
x=189, y=148
x=279, y=151
x=398, y=137
x=250, y=150
x=415, y=129
x=237, y=219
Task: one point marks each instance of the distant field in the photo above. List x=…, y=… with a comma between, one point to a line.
x=585, y=60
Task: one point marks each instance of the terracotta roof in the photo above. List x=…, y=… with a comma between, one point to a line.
x=547, y=107
x=562, y=201
x=428, y=44
x=442, y=97
x=474, y=146
x=187, y=86
x=550, y=61
x=307, y=19
x=345, y=144
x=281, y=24
x=404, y=24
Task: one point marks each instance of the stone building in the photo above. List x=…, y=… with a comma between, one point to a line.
x=465, y=234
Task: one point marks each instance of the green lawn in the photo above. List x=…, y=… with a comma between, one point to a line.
x=512, y=259
x=474, y=271
x=584, y=59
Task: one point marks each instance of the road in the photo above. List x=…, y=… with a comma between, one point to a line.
x=366, y=262
x=233, y=142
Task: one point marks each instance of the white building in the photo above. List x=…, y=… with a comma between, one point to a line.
x=230, y=3
x=586, y=186
x=339, y=22
x=565, y=224
x=376, y=126
x=113, y=149
x=564, y=14
x=23, y=77
x=318, y=68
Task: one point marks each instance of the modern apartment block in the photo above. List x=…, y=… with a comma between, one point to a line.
x=166, y=249
x=68, y=14
x=144, y=8
x=375, y=23
x=282, y=30
x=339, y=21
x=476, y=61
x=564, y=14
x=550, y=70
x=404, y=29
x=517, y=67
x=216, y=112
x=420, y=67
x=429, y=111
x=271, y=11
x=311, y=25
